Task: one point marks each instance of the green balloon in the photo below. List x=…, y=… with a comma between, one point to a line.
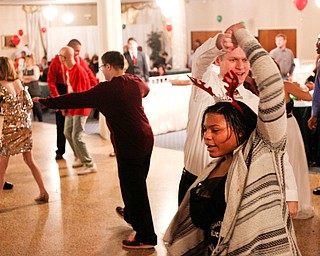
x=124, y=26
x=219, y=18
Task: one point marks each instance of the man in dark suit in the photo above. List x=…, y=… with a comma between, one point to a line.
x=137, y=64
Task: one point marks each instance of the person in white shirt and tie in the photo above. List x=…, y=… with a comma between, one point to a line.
x=137, y=63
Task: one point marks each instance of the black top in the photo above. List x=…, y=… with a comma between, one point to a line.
x=207, y=202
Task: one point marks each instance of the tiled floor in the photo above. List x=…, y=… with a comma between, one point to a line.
x=80, y=217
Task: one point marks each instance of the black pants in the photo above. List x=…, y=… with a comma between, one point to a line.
x=132, y=175
x=187, y=179
x=61, y=140
x=37, y=111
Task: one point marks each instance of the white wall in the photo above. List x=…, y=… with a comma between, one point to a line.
x=201, y=15
x=257, y=14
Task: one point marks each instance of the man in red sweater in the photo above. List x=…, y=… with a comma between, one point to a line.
x=119, y=99
x=76, y=118
x=57, y=82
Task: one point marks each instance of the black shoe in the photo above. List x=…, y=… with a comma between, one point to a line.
x=120, y=212
x=316, y=191
x=59, y=157
x=134, y=244
x=7, y=185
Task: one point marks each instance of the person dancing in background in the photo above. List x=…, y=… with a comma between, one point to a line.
x=57, y=82
x=16, y=132
x=75, y=119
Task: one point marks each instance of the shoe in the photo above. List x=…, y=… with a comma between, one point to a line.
x=120, y=212
x=7, y=185
x=88, y=169
x=77, y=163
x=42, y=198
x=316, y=191
x=134, y=244
x=59, y=157
x=112, y=154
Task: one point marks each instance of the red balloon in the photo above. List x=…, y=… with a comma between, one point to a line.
x=169, y=27
x=43, y=30
x=15, y=40
x=300, y=4
x=20, y=32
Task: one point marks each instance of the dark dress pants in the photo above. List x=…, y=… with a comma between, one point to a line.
x=37, y=111
x=132, y=175
x=61, y=139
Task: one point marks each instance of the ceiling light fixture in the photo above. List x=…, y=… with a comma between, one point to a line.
x=50, y=13
x=67, y=18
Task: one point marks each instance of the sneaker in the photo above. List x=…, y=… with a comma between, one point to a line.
x=7, y=185
x=77, y=163
x=88, y=169
x=120, y=212
x=134, y=244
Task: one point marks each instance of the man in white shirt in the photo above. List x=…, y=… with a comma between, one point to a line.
x=196, y=157
x=137, y=61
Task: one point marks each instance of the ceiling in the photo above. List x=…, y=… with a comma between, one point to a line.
x=45, y=2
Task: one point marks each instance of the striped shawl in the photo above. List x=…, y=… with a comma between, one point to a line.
x=256, y=220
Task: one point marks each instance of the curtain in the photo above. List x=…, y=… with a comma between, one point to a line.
x=60, y=36
x=36, y=38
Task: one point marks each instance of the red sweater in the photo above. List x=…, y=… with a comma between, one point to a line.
x=79, y=81
x=57, y=74
x=120, y=101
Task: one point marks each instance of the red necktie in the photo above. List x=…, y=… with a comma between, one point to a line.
x=134, y=59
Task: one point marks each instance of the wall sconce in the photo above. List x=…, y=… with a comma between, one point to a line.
x=87, y=16
x=67, y=18
x=50, y=13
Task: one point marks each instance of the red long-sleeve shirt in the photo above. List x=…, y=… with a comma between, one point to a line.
x=57, y=74
x=79, y=81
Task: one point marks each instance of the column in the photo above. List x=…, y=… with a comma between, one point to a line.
x=110, y=39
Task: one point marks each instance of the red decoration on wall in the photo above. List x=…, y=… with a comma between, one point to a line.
x=300, y=4
x=43, y=30
x=169, y=27
x=20, y=32
x=15, y=40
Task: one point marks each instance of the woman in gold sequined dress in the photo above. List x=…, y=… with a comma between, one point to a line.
x=16, y=136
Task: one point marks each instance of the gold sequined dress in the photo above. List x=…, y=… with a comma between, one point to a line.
x=16, y=132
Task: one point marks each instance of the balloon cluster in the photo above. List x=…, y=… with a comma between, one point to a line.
x=17, y=38
x=300, y=4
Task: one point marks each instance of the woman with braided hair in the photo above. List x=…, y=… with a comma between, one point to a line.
x=238, y=205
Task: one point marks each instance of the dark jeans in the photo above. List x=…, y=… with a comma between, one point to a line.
x=61, y=140
x=187, y=179
x=132, y=175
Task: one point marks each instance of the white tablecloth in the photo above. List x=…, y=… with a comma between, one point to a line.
x=166, y=107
